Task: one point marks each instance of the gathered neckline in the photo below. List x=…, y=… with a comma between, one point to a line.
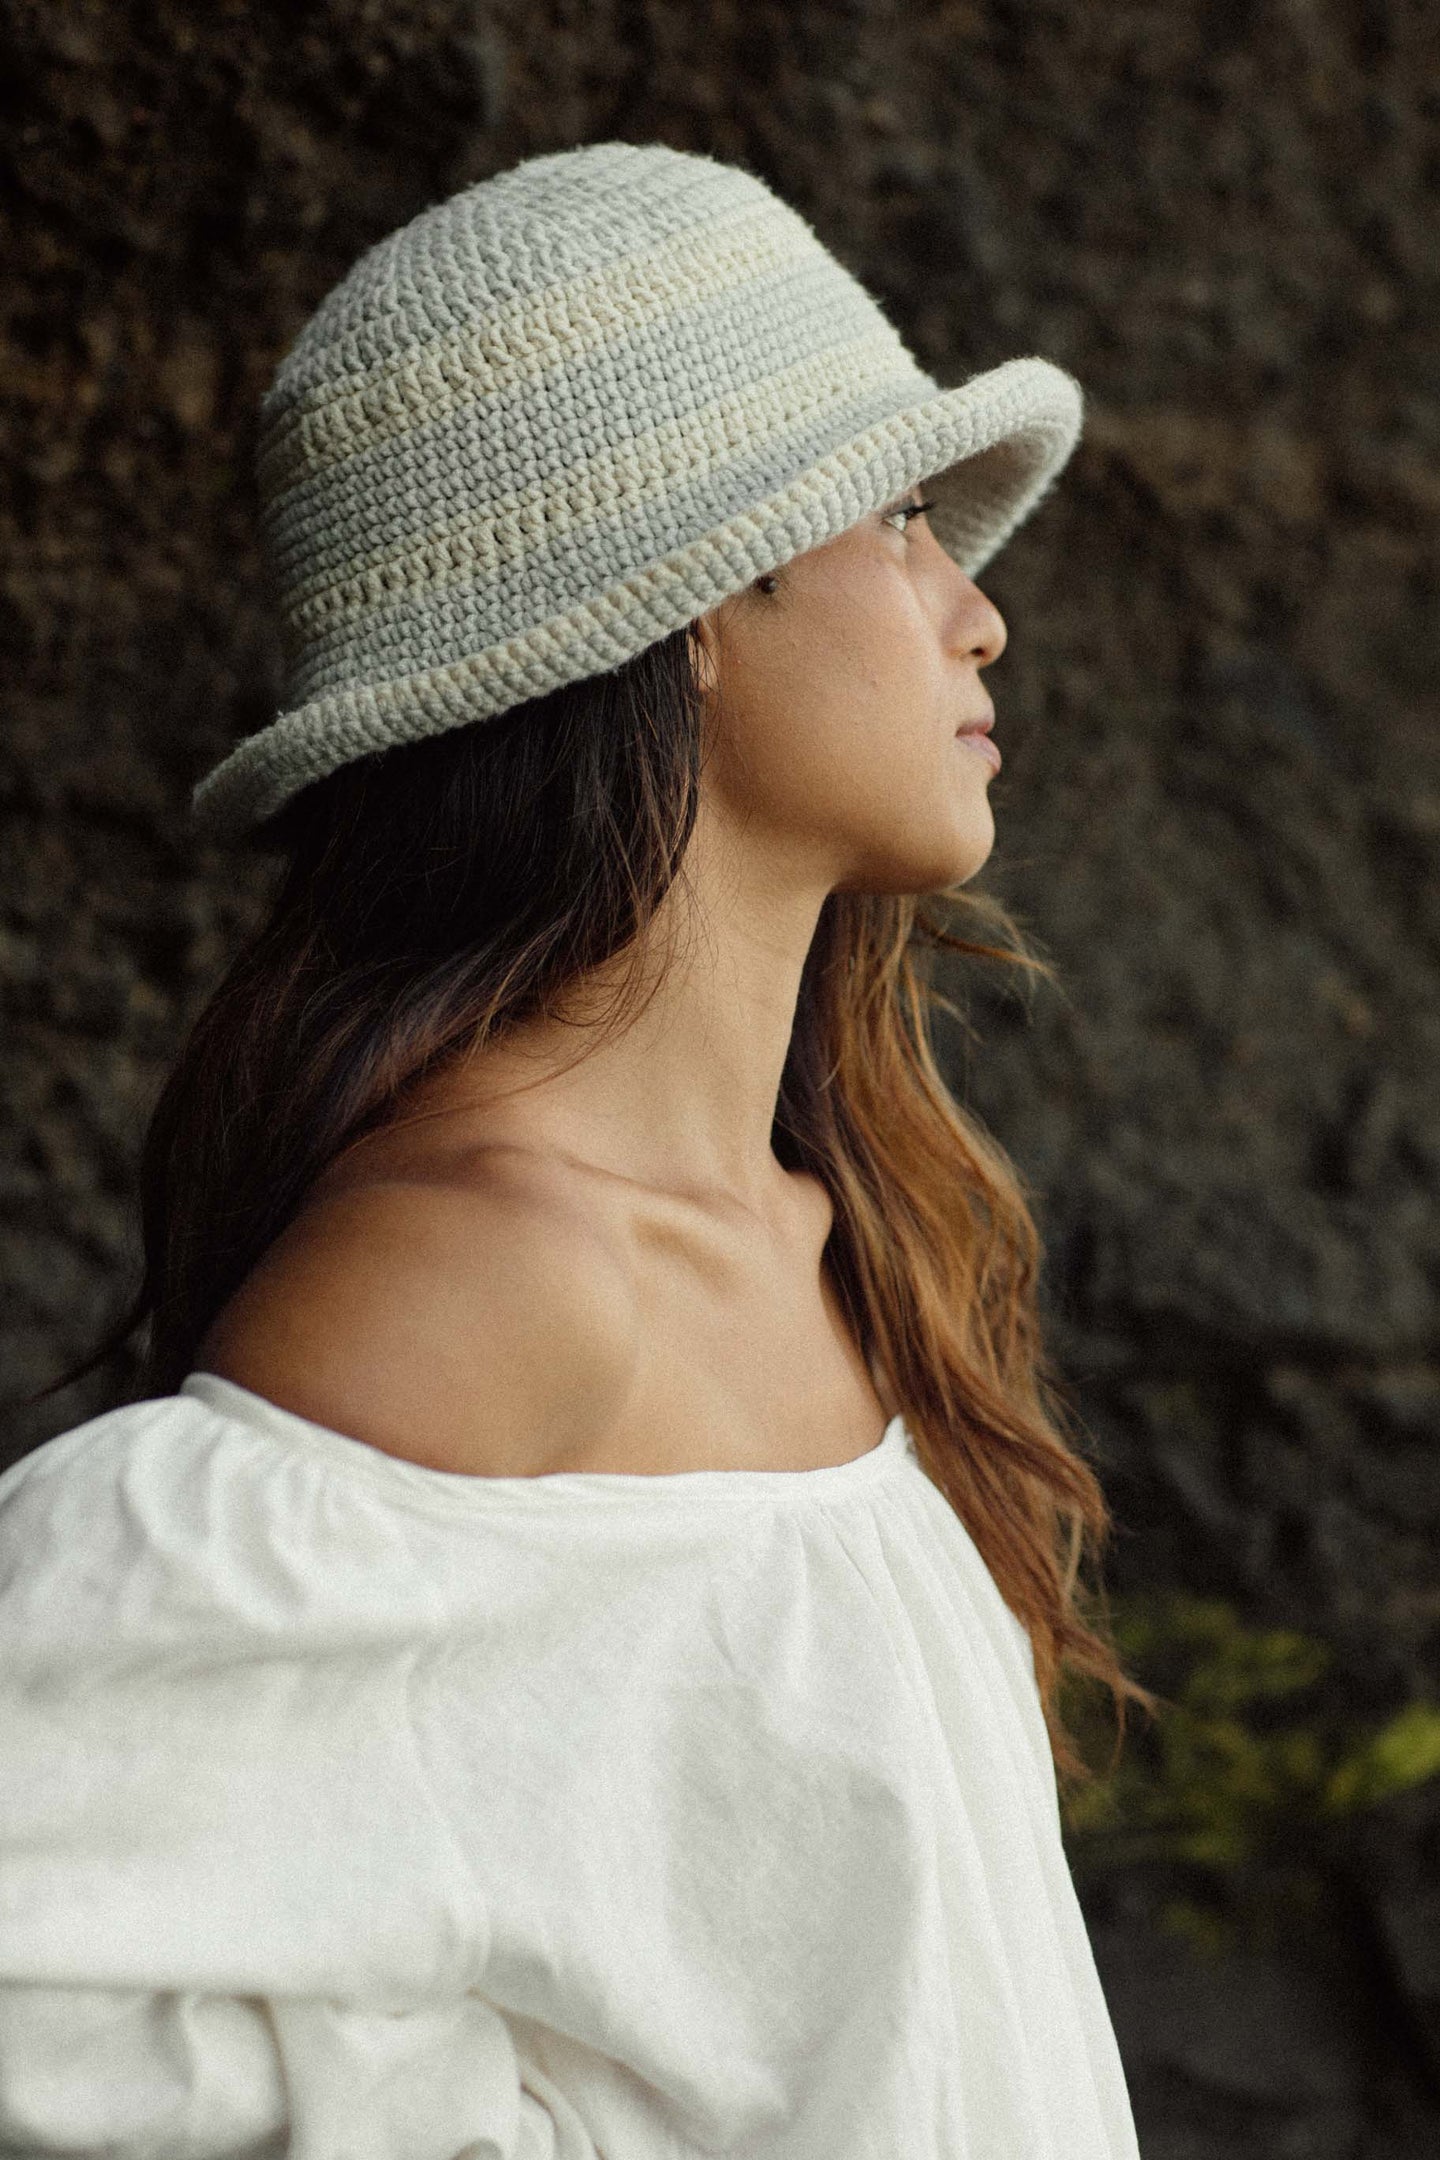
x=257, y=1412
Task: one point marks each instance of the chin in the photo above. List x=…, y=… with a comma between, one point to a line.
x=930, y=871
x=970, y=868
x=971, y=851
x=920, y=854
x=980, y=854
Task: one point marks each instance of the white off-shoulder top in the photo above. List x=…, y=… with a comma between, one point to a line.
x=353, y=1810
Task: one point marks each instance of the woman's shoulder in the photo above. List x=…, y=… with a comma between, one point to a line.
x=472, y=1317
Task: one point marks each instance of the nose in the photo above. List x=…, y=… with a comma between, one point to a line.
x=980, y=628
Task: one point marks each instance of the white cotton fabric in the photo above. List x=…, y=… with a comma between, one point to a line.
x=352, y=1810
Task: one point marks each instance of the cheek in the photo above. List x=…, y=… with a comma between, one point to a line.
x=832, y=731
x=807, y=761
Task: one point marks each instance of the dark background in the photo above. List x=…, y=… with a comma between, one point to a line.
x=1219, y=810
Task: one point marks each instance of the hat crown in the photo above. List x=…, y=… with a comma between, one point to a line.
x=557, y=217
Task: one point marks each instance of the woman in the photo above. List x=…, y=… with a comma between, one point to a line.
x=562, y=1660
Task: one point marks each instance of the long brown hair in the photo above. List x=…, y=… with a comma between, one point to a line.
x=435, y=893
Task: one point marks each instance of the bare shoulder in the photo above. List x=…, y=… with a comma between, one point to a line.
x=481, y=1322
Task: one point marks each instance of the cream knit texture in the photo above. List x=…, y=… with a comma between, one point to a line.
x=562, y=414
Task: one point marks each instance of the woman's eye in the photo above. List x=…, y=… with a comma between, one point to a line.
x=908, y=511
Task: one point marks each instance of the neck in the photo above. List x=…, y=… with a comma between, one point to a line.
x=683, y=1098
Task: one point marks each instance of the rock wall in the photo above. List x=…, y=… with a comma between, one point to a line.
x=1218, y=814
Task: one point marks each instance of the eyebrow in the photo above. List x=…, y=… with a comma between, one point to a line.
x=908, y=496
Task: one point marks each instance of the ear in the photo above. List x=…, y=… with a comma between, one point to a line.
x=705, y=653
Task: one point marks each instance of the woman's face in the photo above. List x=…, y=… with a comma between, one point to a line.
x=835, y=704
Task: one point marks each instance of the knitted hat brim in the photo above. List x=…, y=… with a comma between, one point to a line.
x=989, y=450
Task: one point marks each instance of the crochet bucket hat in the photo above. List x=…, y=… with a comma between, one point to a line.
x=555, y=418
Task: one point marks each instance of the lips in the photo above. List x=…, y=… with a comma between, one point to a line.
x=975, y=734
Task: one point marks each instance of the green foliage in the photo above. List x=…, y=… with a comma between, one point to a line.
x=1402, y=1753
x=1232, y=1792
